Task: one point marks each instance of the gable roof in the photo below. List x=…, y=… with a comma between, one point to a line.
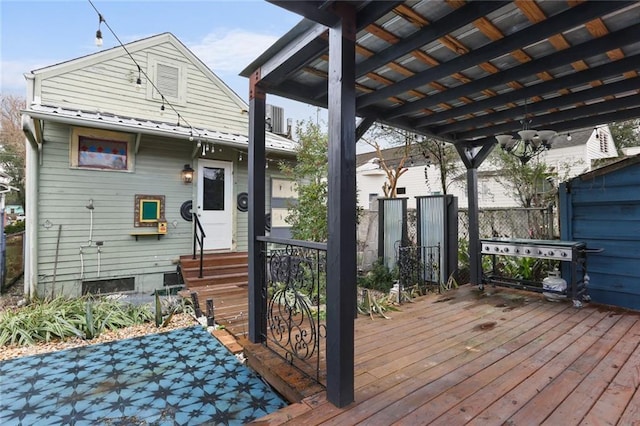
x=133, y=47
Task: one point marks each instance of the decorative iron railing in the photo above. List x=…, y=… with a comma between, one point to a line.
x=295, y=296
x=419, y=267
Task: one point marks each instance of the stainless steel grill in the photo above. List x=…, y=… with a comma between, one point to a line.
x=573, y=252
x=540, y=249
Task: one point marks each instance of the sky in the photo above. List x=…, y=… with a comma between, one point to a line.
x=227, y=35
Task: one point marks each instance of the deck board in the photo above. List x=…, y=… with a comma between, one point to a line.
x=505, y=356
x=582, y=398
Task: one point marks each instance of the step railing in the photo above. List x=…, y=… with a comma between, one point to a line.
x=198, y=240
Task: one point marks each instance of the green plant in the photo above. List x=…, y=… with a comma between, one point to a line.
x=14, y=227
x=372, y=305
x=60, y=318
x=166, y=308
x=380, y=278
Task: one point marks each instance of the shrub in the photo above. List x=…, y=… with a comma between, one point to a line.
x=379, y=278
x=14, y=227
x=60, y=318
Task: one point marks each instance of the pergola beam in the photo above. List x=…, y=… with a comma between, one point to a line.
x=573, y=80
x=554, y=25
x=589, y=114
x=456, y=19
x=567, y=56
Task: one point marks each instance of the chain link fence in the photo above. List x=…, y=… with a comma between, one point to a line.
x=513, y=222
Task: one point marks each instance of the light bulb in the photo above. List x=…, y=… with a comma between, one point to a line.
x=568, y=136
x=99, y=38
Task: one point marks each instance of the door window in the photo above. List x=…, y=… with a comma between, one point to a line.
x=213, y=188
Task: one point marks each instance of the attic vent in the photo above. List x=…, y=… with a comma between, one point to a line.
x=604, y=142
x=170, y=78
x=167, y=80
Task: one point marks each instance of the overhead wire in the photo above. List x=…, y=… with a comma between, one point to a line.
x=165, y=101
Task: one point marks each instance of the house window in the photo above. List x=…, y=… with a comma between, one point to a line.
x=101, y=150
x=401, y=191
x=170, y=80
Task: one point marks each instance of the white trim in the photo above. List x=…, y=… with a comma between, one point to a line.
x=153, y=61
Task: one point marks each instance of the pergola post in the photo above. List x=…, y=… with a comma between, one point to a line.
x=472, y=157
x=257, y=303
x=341, y=247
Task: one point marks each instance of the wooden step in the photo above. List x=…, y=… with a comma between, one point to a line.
x=215, y=270
x=211, y=280
x=215, y=259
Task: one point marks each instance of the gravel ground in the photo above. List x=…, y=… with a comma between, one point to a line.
x=12, y=298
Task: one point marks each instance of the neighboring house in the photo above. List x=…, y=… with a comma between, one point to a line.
x=572, y=156
x=108, y=200
x=15, y=209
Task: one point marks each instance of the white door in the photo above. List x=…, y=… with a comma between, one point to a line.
x=214, y=203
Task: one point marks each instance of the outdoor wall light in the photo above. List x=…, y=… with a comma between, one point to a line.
x=187, y=174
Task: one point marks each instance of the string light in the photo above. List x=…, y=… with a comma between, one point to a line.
x=569, y=136
x=141, y=72
x=99, y=33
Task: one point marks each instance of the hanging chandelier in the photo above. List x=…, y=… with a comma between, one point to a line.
x=529, y=143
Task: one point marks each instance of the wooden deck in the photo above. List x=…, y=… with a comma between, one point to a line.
x=505, y=357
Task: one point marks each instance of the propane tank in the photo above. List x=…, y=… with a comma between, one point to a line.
x=554, y=282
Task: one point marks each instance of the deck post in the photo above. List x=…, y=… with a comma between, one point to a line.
x=341, y=247
x=472, y=157
x=257, y=175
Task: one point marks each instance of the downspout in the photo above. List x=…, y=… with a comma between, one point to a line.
x=31, y=201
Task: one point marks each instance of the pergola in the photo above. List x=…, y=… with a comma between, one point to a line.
x=454, y=70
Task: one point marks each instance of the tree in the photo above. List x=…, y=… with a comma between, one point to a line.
x=625, y=133
x=444, y=156
x=12, y=148
x=531, y=184
x=308, y=218
x=393, y=168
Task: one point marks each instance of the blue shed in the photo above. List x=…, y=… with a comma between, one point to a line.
x=602, y=208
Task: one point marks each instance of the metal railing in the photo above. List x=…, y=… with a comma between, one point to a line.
x=198, y=240
x=294, y=293
x=419, y=266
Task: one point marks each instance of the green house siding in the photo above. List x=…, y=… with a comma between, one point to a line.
x=64, y=194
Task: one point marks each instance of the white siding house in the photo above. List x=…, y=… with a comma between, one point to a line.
x=108, y=137
x=570, y=156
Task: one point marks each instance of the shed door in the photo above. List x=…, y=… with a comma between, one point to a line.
x=214, y=203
